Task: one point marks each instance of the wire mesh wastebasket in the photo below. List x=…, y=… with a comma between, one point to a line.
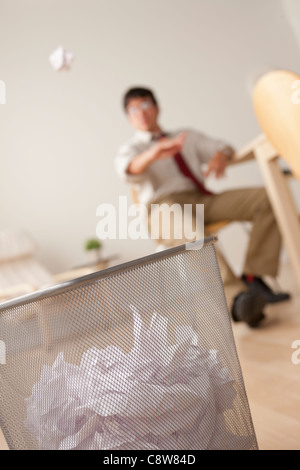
x=137, y=356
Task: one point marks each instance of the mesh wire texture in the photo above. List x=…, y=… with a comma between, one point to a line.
x=138, y=356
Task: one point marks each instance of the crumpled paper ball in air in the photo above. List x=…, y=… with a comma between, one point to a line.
x=61, y=59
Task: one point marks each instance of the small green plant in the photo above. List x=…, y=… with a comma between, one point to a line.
x=93, y=244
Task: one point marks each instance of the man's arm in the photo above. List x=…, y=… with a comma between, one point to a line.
x=215, y=152
x=166, y=147
x=218, y=163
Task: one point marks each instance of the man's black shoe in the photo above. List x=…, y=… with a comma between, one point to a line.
x=247, y=307
x=260, y=287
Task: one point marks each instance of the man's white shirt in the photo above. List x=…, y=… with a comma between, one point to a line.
x=163, y=177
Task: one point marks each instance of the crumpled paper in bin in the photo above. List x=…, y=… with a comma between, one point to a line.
x=159, y=396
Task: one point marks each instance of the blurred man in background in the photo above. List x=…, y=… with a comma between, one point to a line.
x=167, y=168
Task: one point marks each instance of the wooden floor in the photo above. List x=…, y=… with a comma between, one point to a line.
x=272, y=381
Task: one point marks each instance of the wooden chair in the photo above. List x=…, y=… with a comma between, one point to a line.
x=278, y=114
x=286, y=136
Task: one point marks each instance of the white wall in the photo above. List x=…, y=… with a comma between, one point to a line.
x=292, y=13
x=59, y=132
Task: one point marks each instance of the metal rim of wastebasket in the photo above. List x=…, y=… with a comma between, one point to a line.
x=80, y=281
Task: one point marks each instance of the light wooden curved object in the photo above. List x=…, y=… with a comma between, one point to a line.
x=278, y=113
x=275, y=100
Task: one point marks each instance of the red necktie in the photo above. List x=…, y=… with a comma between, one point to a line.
x=187, y=172
x=184, y=169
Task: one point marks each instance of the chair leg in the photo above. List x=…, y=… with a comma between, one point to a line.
x=283, y=204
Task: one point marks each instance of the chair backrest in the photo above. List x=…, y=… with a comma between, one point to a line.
x=15, y=244
x=155, y=327
x=276, y=100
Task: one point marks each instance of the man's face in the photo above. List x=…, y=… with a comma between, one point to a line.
x=142, y=114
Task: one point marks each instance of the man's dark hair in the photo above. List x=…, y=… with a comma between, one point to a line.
x=138, y=92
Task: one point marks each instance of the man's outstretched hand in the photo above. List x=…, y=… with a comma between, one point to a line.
x=217, y=164
x=168, y=146
x=165, y=147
